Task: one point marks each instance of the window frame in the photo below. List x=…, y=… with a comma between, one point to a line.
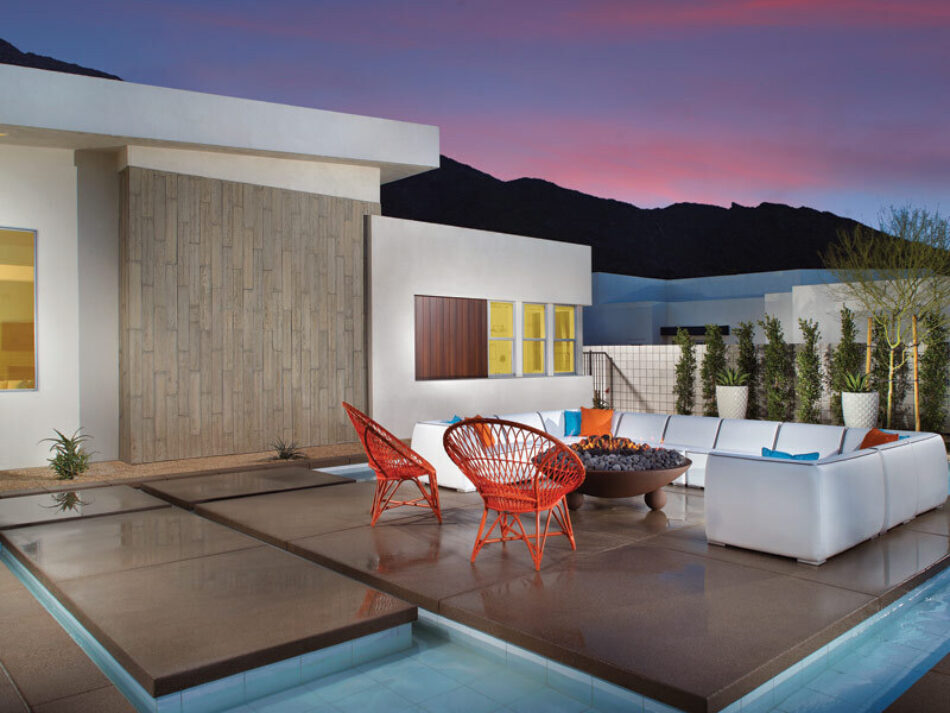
x=544, y=339
x=555, y=339
x=36, y=292
x=512, y=339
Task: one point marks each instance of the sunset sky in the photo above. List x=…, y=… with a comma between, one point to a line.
x=841, y=105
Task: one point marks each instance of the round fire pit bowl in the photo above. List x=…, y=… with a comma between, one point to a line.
x=627, y=484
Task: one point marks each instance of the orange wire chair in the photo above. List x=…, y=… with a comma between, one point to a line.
x=516, y=469
x=394, y=464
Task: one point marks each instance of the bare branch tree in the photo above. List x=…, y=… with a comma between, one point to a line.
x=896, y=273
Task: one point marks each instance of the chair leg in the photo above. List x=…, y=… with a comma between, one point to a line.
x=432, y=497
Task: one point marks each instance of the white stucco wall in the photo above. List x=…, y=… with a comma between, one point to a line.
x=330, y=179
x=408, y=258
x=38, y=192
x=98, y=277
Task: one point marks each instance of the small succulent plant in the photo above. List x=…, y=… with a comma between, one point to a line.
x=69, y=457
x=857, y=383
x=731, y=377
x=67, y=501
x=285, y=450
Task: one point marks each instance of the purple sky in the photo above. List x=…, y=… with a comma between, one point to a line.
x=841, y=105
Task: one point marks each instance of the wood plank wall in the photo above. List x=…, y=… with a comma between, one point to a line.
x=451, y=338
x=242, y=316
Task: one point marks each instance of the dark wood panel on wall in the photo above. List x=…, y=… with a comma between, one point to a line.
x=451, y=338
x=242, y=316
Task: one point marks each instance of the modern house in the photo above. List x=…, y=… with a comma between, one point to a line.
x=207, y=274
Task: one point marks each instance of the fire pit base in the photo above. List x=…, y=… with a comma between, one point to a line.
x=627, y=484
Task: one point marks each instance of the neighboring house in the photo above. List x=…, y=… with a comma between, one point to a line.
x=640, y=310
x=202, y=282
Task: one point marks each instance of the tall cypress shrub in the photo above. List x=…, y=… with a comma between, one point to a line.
x=748, y=363
x=778, y=372
x=685, y=374
x=934, y=374
x=846, y=358
x=714, y=361
x=808, y=381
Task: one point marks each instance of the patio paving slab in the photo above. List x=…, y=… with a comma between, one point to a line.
x=687, y=630
x=278, y=518
x=883, y=567
x=126, y=541
x=179, y=624
x=185, y=492
x=73, y=504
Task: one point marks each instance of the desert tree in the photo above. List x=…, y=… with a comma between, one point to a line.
x=895, y=273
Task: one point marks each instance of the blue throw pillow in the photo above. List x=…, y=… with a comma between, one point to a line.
x=454, y=419
x=769, y=453
x=572, y=423
x=899, y=437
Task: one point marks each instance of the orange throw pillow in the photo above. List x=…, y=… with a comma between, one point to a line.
x=596, y=421
x=876, y=437
x=484, y=433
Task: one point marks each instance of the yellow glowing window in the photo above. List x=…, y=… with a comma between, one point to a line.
x=533, y=357
x=533, y=321
x=533, y=339
x=564, y=346
x=17, y=302
x=501, y=338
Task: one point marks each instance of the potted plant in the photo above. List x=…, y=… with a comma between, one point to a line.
x=732, y=393
x=859, y=401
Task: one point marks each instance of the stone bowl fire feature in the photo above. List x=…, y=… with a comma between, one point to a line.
x=621, y=468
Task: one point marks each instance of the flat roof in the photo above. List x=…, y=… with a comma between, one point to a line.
x=54, y=109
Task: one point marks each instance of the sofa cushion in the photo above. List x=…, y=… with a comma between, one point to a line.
x=529, y=418
x=596, y=422
x=877, y=437
x=852, y=439
x=553, y=422
x=769, y=453
x=697, y=431
x=739, y=435
x=808, y=437
x=641, y=427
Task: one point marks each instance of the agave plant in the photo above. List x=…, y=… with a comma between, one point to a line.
x=286, y=451
x=857, y=383
x=731, y=377
x=69, y=457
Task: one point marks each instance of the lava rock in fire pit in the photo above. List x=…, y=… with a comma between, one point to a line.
x=622, y=454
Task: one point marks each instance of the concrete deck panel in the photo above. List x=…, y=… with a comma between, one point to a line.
x=185, y=492
x=82, y=503
x=180, y=601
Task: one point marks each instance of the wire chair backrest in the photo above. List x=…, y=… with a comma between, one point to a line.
x=387, y=455
x=510, y=460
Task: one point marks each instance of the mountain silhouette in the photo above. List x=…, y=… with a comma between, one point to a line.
x=11, y=55
x=681, y=240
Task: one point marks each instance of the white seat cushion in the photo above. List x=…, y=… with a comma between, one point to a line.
x=808, y=438
x=640, y=426
x=553, y=422
x=529, y=418
x=698, y=431
x=853, y=438
x=740, y=435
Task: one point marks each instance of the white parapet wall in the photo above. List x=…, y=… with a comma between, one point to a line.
x=408, y=258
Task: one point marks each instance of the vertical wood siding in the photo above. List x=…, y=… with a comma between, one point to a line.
x=451, y=338
x=241, y=316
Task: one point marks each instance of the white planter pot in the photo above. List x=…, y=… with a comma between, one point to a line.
x=859, y=410
x=732, y=401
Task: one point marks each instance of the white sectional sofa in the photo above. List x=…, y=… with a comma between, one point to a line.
x=809, y=510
